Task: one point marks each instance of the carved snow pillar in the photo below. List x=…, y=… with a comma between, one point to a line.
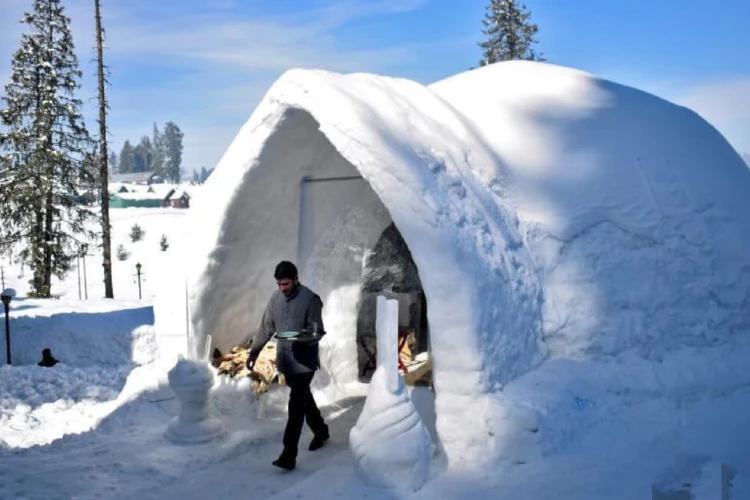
x=390, y=444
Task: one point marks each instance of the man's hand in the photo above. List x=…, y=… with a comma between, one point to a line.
x=250, y=363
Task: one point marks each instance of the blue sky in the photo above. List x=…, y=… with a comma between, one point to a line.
x=206, y=64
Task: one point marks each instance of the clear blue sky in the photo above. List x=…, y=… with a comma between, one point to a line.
x=206, y=64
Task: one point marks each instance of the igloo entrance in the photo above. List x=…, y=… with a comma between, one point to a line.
x=389, y=270
x=350, y=252
x=303, y=201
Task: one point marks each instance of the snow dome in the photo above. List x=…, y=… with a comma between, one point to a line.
x=547, y=214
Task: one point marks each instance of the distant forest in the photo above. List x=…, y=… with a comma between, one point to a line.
x=160, y=153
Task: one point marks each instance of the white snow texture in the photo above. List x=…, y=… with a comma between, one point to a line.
x=390, y=444
x=191, y=382
x=551, y=214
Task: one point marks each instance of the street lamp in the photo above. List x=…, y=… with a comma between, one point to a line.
x=138, y=271
x=6, y=297
x=83, y=250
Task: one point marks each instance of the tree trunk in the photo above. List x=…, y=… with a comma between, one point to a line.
x=47, y=285
x=37, y=252
x=49, y=168
x=103, y=159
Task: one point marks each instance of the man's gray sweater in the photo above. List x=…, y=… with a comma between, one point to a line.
x=298, y=311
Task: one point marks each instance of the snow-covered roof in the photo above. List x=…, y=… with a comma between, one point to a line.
x=115, y=187
x=179, y=193
x=551, y=214
x=162, y=190
x=138, y=195
x=132, y=177
x=142, y=191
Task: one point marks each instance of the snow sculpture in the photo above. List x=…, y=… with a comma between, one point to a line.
x=191, y=382
x=390, y=444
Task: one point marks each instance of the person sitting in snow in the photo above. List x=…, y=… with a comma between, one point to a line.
x=47, y=359
x=293, y=307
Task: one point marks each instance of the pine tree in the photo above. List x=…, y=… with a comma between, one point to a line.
x=46, y=150
x=510, y=34
x=204, y=174
x=158, y=153
x=143, y=155
x=173, y=148
x=127, y=159
x=113, y=162
x=196, y=177
x=101, y=73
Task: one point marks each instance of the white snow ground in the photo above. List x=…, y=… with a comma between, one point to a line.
x=580, y=426
x=85, y=430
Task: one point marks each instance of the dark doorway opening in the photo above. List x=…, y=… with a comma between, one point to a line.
x=390, y=271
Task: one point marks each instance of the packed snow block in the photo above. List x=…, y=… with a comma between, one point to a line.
x=728, y=476
x=391, y=445
x=739, y=487
x=681, y=494
x=714, y=482
x=695, y=478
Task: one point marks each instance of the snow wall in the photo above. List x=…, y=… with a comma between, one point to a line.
x=550, y=215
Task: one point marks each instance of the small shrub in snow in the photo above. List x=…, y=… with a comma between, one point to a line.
x=122, y=253
x=42, y=293
x=136, y=233
x=163, y=243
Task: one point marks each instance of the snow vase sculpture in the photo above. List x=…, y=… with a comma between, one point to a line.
x=390, y=444
x=191, y=381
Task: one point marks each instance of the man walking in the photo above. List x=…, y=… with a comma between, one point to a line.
x=294, y=307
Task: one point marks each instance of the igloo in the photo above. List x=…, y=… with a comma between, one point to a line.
x=548, y=214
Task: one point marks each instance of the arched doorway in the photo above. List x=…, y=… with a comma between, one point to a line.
x=389, y=270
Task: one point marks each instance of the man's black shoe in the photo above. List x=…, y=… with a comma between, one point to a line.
x=285, y=462
x=319, y=440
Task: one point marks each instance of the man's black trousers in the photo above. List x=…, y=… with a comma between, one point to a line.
x=301, y=407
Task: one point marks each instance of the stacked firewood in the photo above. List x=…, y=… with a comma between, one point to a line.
x=264, y=372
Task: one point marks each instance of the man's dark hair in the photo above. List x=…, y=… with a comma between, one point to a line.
x=285, y=270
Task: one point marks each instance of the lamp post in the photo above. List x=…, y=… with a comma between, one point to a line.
x=84, y=248
x=6, y=297
x=138, y=271
x=78, y=271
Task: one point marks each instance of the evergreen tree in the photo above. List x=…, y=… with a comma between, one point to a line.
x=143, y=155
x=510, y=34
x=158, y=153
x=113, y=162
x=127, y=159
x=204, y=174
x=196, y=177
x=173, y=149
x=46, y=149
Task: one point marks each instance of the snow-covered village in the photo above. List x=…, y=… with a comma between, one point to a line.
x=392, y=249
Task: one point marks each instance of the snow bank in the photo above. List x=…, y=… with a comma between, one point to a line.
x=98, y=343
x=550, y=214
x=92, y=333
x=39, y=405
